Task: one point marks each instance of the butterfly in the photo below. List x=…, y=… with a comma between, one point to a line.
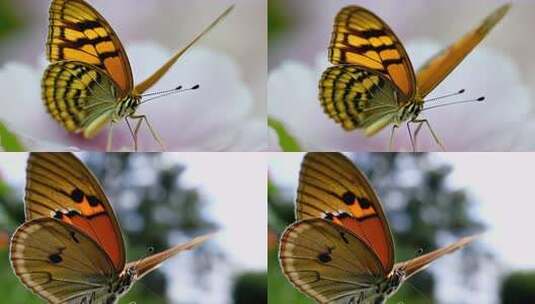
x=340, y=249
x=71, y=249
x=89, y=83
x=373, y=84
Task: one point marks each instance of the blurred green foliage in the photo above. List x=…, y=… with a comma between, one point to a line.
x=287, y=141
x=518, y=287
x=9, y=141
x=419, y=205
x=250, y=287
x=8, y=19
x=147, y=195
x=278, y=19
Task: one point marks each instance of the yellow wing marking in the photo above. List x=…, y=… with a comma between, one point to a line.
x=78, y=32
x=361, y=38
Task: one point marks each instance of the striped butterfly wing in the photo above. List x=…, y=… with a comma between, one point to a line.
x=331, y=187
x=356, y=97
x=363, y=39
x=61, y=264
x=329, y=263
x=81, y=97
x=78, y=32
x=60, y=186
x=441, y=65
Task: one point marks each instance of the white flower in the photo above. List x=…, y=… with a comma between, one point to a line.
x=216, y=117
x=498, y=124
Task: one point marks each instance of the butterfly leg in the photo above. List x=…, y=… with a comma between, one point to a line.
x=134, y=137
x=416, y=132
x=391, y=141
x=109, y=145
x=435, y=137
x=411, y=137
x=151, y=129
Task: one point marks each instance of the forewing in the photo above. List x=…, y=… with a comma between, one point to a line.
x=60, y=263
x=418, y=264
x=441, y=65
x=356, y=97
x=361, y=38
x=150, y=263
x=79, y=96
x=328, y=262
x=60, y=186
x=155, y=77
x=331, y=187
x=78, y=32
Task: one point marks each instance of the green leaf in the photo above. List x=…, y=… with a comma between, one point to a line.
x=8, y=19
x=287, y=141
x=9, y=141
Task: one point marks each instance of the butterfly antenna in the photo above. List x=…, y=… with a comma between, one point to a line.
x=480, y=99
x=161, y=94
x=460, y=92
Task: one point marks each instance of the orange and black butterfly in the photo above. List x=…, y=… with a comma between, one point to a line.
x=71, y=249
x=340, y=250
x=89, y=83
x=373, y=84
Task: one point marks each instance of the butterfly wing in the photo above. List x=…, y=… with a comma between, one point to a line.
x=60, y=186
x=441, y=65
x=356, y=97
x=148, y=264
x=60, y=263
x=329, y=263
x=331, y=187
x=78, y=32
x=418, y=264
x=155, y=77
x=81, y=97
x=361, y=38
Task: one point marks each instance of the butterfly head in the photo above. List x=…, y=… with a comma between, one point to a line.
x=411, y=110
x=127, y=107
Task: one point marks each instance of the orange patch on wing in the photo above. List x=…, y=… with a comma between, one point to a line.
x=100, y=228
x=114, y=65
x=373, y=233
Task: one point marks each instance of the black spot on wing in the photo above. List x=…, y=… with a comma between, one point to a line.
x=77, y=195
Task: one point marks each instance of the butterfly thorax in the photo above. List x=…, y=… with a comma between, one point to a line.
x=410, y=111
x=126, y=107
x=121, y=285
x=385, y=288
